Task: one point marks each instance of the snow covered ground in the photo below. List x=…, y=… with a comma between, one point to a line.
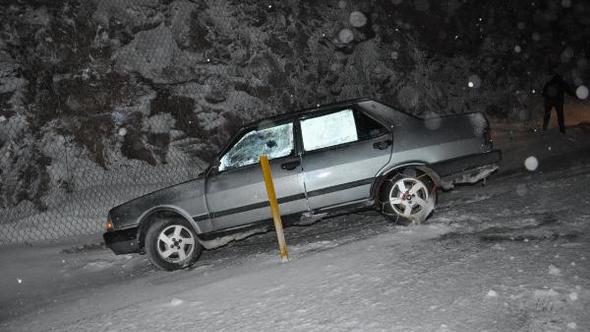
x=509, y=256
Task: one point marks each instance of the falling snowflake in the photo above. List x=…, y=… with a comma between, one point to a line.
x=122, y=132
x=531, y=163
x=517, y=49
x=582, y=92
x=357, y=19
x=345, y=36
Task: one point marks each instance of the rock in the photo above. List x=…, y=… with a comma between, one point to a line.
x=181, y=15
x=154, y=55
x=134, y=147
x=135, y=15
x=217, y=92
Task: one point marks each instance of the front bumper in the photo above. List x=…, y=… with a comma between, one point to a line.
x=123, y=241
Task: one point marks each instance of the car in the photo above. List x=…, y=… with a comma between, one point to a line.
x=325, y=161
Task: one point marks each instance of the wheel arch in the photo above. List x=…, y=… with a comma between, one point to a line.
x=164, y=211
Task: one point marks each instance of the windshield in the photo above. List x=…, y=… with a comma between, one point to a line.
x=275, y=142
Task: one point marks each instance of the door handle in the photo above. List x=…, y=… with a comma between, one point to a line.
x=291, y=165
x=382, y=145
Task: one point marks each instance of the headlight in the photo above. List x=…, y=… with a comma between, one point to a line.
x=109, y=225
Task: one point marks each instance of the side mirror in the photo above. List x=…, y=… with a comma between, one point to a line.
x=215, y=163
x=213, y=167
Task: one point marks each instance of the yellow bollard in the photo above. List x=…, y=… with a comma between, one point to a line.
x=274, y=207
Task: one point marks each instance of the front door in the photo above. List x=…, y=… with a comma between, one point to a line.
x=236, y=194
x=342, y=152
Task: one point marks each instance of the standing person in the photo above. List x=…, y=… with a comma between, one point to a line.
x=553, y=91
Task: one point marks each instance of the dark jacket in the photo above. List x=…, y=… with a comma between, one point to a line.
x=554, y=90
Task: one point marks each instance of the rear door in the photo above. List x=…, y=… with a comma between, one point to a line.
x=236, y=194
x=343, y=150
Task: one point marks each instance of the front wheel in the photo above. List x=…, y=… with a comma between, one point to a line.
x=172, y=244
x=408, y=197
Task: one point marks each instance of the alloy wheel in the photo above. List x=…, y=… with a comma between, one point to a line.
x=175, y=243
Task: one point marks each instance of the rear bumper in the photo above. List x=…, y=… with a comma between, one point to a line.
x=463, y=164
x=122, y=242
x=468, y=169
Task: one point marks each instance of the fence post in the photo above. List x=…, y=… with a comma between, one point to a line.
x=274, y=207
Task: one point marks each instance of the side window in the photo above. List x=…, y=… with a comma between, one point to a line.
x=368, y=128
x=328, y=130
x=275, y=142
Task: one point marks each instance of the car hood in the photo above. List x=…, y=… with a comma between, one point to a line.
x=185, y=198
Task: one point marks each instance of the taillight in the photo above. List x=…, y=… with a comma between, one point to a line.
x=489, y=135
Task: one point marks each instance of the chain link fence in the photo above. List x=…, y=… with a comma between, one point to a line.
x=60, y=192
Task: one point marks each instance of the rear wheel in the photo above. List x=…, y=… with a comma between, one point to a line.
x=172, y=244
x=408, y=197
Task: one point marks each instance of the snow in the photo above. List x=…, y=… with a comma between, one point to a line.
x=553, y=270
x=487, y=259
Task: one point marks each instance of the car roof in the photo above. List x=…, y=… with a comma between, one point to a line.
x=306, y=111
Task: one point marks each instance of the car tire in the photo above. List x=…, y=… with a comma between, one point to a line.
x=172, y=244
x=408, y=197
